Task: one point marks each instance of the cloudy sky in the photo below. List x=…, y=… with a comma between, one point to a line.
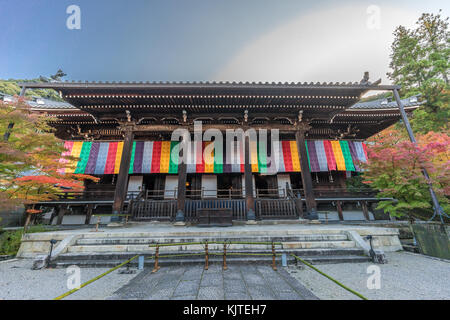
x=198, y=40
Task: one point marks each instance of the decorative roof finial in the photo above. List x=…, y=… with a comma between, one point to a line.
x=300, y=116
x=365, y=79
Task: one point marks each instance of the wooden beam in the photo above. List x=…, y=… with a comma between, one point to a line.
x=311, y=206
x=122, y=178
x=170, y=128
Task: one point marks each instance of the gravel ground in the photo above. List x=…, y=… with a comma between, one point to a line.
x=19, y=282
x=406, y=276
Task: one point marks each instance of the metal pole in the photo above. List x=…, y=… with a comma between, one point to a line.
x=225, y=256
x=274, y=266
x=436, y=206
x=156, y=267
x=206, y=256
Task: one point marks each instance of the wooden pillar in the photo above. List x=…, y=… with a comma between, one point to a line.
x=248, y=178
x=339, y=210
x=299, y=205
x=311, y=206
x=89, y=209
x=62, y=210
x=365, y=210
x=54, y=214
x=182, y=172
x=122, y=178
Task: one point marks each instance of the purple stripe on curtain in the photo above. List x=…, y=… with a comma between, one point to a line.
x=271, y=165
x=138, y=155
x=313, y=161
x=354, y=155
x=92, y=161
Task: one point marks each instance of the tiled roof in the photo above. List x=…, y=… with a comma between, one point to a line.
x=41, y=103
x=225, y=83
x=50, y=104
x=57, y=85
x=387, y=103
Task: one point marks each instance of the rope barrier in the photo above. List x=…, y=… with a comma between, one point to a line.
x=94, y=279
x=332, y=279
x=214, y=254
x=157, y=256
x=211, y=242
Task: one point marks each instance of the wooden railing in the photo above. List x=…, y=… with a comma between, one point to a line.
x=149, y=209
x=342, y=193
x=237, y=206
x=153, y=209
x=276, y=209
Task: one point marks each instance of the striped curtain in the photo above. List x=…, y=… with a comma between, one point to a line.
x=202, y=157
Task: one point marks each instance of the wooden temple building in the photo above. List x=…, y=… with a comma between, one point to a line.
x=122, y=132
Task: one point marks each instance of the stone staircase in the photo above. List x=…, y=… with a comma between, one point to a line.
x=97, y=251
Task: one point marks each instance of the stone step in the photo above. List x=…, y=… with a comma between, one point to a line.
x=153, y=240
x=123, y=256
x=335, y=259
x=213, y=260
x=144, y=247
x=213, y=233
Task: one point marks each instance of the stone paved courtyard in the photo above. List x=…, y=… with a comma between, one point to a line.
x=239, y=282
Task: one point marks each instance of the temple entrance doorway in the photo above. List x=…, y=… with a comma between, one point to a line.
x=193, y=186
x=266, y=185
x=229, y=185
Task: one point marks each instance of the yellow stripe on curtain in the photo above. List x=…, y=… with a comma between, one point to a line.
x=254, y=155
x=338, y=156
x=294, y=156
x=118, y=157
x=209, y=157
x=165, y=157
x=76, y=150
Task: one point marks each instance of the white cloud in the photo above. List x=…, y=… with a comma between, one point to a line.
x=327, y=45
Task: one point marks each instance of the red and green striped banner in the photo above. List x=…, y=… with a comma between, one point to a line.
x=163, y=156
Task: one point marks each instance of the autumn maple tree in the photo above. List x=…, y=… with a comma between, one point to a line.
x=30, y=159
x=395, y=169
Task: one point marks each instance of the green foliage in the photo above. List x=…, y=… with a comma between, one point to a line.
x=10, y=240
x=11, y=87
x=420, y=63
x=395, y=169
x=29, y=158
x=356, y=184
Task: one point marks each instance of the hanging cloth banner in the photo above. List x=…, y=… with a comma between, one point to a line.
x=347, y=155
x=111, y=158
x=203, y=157
x=321, y=155
x=68, y=145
